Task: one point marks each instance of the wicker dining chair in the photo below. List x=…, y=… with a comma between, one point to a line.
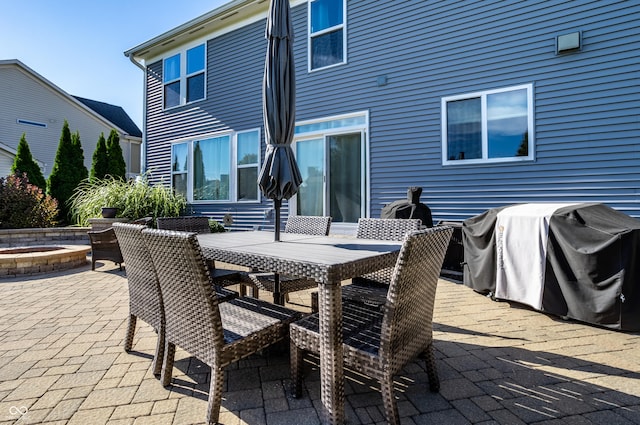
x=372, y=288
x=216, y=333
x=200, y=224
x=145, y=299
x=378, y=343
x=195, y=223
x=307, y=225
x=104, y=246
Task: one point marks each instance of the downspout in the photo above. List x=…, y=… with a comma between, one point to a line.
x=143, y=145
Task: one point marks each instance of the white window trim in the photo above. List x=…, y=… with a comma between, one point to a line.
x=234, y=154
x=326, y=30
x=365, y=129
x=175, y=173
x=233, y=168
x=183, y=75
x=483, y=96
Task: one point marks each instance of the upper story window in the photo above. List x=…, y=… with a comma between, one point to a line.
x=327, y=33
x=489, y=126
x=221, y=167
x=184, y=77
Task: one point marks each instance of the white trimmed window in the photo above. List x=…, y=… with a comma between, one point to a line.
x=179, y=167
x=247, y=164
x=489, y=126
x=327, y=33
x=184, y=77
x=218, y=167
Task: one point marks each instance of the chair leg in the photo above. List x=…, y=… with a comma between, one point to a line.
x=167, y=363
x=296, y=369
x=131, y=328
x=215, y=395
x=159, y=357
x=93, y=263
x=432, y=371
x=390, y=407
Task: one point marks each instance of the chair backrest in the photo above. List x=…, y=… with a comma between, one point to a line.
x=191, y=307
x=308, y=225
x=197, y=223
x=408, y=311
x=389, y=229
x=145, y=298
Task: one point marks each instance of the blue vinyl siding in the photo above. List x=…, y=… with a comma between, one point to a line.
x=586, y=103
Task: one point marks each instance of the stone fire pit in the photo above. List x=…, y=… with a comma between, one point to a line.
x=41, y=259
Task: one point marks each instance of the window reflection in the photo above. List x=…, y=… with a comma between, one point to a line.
x=507, y=124
x=211, y=169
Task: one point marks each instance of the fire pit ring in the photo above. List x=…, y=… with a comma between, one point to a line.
x=29, y=260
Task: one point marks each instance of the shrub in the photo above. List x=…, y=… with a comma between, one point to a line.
x=66, y=174
x=133, y=199
x=115, y=161
x=24, y=205
x=78, y=157
x=216, y=227
x=24, y=163
x=100, y=164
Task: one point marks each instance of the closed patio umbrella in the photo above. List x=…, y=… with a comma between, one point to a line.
x=279, y=177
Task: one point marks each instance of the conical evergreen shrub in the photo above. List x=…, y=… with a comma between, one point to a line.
x=100, y=161
x=24, y=163
x=66, y=173
x=117, y=167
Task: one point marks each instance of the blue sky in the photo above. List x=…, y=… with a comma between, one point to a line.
x=78, y=45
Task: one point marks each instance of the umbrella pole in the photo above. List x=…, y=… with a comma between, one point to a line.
x=277, y=296
x=277, y=204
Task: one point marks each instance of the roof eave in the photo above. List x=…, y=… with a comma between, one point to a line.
x=192, y=29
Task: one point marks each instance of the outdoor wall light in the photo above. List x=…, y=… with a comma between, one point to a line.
x=568, y=42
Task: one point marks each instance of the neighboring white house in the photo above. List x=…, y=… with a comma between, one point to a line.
x=33, y=105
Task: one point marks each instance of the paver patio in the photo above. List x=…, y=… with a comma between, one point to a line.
x=62, y=362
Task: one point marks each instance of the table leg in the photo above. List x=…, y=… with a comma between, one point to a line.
x=277, y=290
x=331, y=363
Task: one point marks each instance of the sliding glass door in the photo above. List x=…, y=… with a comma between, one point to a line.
x=333, y=178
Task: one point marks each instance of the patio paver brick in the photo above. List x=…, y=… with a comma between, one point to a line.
x=61, y=357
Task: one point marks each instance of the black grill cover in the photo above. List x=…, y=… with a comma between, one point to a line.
x=592, y=270
x=409, y=208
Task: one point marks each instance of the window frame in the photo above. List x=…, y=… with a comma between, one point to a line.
x=311, y=36
x=233, y=165
x=485, y=142
x=188, y=165
x=184, y=77
x=238, y=167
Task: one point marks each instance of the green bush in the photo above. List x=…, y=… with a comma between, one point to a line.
x=216, y=227
x=24, y=205
x=66, y=172
x=100, y=164
x=132, y=199
x=24, y=163
x=115, y=161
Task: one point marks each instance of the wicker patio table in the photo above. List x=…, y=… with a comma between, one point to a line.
x=326, y=259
